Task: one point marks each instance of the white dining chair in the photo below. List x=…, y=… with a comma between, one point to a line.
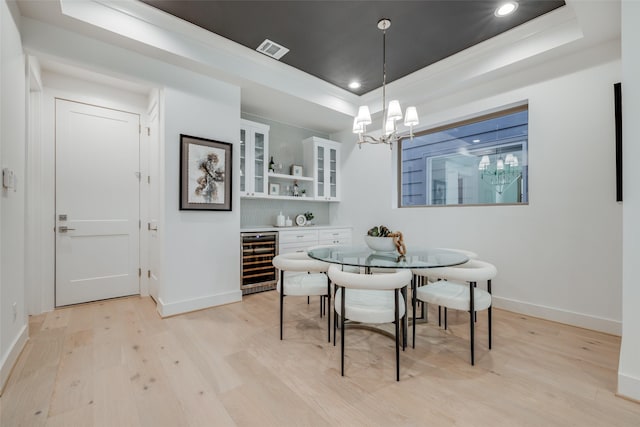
x=424, y=276
x=458, y=290
x=301, y=275
x=371, y=299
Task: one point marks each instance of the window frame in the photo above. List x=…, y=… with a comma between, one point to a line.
x=482, y=117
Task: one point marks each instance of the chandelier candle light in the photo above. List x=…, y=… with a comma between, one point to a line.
x=505, y=173
x=390, y=114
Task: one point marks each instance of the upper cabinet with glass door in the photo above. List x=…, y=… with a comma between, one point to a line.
x=254, y=149
x=322, y=156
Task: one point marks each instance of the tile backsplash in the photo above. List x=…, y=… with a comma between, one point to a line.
x=261, y=212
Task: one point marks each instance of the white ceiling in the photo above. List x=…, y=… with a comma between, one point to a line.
x=274, y=90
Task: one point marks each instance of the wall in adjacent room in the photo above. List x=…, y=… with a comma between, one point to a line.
x=200, y=250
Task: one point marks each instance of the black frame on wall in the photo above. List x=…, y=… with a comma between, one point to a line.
x=617, y=94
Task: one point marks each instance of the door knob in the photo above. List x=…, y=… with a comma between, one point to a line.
x=64, y=229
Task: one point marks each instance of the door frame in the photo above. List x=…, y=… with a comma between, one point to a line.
x=41, y=254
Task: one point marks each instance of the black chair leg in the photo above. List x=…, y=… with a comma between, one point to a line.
x=489, y=326
x=489, y=312
x=335, y=317
x=281, y=301
x=475, y=313
x=445, y=318
x=471, y=322
x=335, y=325
x=344, y=297
x=404, y=319
x=328, y=314
x=413, y=293
x=397, y=340
x=439, y=315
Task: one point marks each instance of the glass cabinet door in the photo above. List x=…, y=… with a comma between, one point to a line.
x=243, y=150
x=321, y=169
x=259, y=163
x=333, y=172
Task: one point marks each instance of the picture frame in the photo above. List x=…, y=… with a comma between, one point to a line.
x=274, y=189
x=296, y=170
x=205, y=174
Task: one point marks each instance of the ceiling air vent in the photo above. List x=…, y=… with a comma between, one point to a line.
x=272, y=49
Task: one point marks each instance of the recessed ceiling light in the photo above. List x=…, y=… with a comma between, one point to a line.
x=354, y=85
x=506, y=9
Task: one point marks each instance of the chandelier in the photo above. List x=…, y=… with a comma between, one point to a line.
x=505, y=172
x=390, y=114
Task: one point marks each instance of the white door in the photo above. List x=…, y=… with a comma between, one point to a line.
x=97, y=203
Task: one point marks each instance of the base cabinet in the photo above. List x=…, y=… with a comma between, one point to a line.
x=301, y=240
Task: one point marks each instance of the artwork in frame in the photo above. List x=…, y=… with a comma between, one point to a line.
x=205, y=174
x=296, y=170
x=274, y=189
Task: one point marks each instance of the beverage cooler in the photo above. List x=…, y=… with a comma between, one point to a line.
x=257, y=271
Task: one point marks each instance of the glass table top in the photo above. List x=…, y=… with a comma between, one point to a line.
x=362, y=256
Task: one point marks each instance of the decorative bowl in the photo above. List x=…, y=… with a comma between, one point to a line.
x=380, y=244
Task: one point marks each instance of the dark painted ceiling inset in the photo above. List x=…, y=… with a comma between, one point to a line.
x=338, y=41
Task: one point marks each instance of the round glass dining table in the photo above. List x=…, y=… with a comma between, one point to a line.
x=362, y=256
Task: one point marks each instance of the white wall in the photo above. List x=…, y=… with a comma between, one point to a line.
x=629, y=368
x=13, y=327
x=201, y=250
x=201, y=262
x=559, y=257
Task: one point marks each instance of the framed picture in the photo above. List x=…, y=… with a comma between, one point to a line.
x=274, y=189
x=296, y=170
x=205, y=174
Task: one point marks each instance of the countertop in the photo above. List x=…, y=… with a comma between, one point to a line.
x=261, y=228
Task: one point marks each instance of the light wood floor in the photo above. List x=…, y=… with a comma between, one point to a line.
x=116, y=363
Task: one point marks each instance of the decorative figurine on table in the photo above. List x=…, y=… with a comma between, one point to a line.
x=398, y=239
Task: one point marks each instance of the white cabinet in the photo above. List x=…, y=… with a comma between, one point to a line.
x=296, y=240
x=254, y=149
x=299, y=240
x=337, y=236
x=322, y=156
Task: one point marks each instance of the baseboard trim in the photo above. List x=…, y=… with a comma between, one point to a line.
x=185, y=306
x=600, y=324
x=629, y=387
x=12, y=356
